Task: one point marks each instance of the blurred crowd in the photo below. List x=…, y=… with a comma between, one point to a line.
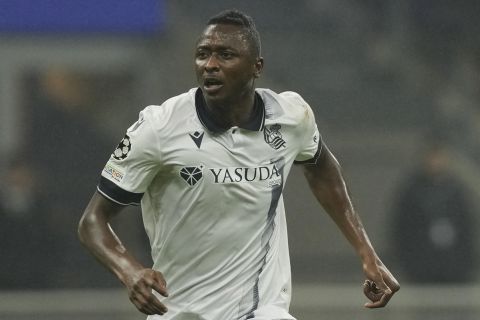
x=48, y=184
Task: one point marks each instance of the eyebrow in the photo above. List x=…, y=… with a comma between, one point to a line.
x=215, y=47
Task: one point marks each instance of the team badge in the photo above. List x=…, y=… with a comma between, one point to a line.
x=273, y=137
x=191, y=175
x=123, y=148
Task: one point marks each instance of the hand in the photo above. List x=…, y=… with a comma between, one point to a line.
x=380, y=285
x=140, y=286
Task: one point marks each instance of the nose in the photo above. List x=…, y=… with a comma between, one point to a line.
x=212, y=64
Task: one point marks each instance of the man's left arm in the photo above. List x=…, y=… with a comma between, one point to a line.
x=329, y=187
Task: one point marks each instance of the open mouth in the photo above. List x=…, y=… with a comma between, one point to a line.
x=212, y=84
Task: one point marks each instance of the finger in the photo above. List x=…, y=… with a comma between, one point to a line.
x=392, y=282
x=149, y=299
x=141, y=304
x=371, y=294
x=156, y=305
x=389, y=279
x=382, y=302
x=371, y=287
x=146, y=301
x=149, y=306
x=160, y=287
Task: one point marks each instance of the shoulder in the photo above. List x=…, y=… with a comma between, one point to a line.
x=171, y=105
x=290, y=98
x=171, y=110
x=287, y=104
x=293, y=97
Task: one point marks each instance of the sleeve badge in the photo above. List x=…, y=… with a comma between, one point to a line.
x=123, y=149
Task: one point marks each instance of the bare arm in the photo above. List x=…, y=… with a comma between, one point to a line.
x=328, y=186
x=96, y=234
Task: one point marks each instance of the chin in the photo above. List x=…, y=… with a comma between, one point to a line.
x=214, y=97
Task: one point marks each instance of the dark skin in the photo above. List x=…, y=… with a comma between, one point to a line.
x=328, y=185
x=225, y=58
x=226, y=68
x=98, y=237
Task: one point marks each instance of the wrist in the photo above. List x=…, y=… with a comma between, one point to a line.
x=126, y=271
x=368, y=256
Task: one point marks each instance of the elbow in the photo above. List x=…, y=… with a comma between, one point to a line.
x=94, y=220
x=84, y=228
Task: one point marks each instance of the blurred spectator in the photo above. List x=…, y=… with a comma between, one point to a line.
x=68, y=149
x=24, y=232
x=456, y=116
x=432, y=227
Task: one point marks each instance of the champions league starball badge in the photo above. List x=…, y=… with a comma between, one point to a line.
x=123, y=148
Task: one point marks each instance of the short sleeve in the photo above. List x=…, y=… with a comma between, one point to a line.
x=311, y=144
x=133, y=164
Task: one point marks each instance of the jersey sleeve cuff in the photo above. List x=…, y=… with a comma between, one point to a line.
x=114, y=193
x=314, y=159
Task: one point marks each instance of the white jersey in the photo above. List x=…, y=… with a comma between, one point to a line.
x=212, y=201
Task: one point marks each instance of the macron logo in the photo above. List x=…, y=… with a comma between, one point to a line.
x=197, y=137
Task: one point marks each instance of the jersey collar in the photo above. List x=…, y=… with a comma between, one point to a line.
x=255, y=123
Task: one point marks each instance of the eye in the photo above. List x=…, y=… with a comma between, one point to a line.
x=201, y=54
x=226, y=55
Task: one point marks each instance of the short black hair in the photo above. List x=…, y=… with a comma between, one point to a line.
x=238, y=18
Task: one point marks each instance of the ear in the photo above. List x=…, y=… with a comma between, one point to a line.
x=258, y=67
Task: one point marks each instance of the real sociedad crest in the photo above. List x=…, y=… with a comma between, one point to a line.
x=273, y=137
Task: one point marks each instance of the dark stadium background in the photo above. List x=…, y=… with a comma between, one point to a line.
x=388, y=81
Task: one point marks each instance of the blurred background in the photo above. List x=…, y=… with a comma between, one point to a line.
x=395, y=89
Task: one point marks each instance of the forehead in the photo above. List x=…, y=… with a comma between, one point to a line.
x=224, y=35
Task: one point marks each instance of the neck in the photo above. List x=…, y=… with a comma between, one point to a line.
x=232, y=112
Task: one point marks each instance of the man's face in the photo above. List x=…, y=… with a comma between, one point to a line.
x=225, y=65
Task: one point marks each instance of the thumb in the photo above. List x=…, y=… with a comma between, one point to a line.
x=159, y=284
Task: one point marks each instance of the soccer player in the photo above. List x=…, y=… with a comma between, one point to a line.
x=208, y=168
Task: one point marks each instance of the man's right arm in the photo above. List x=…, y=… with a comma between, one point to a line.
x=96, y=234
